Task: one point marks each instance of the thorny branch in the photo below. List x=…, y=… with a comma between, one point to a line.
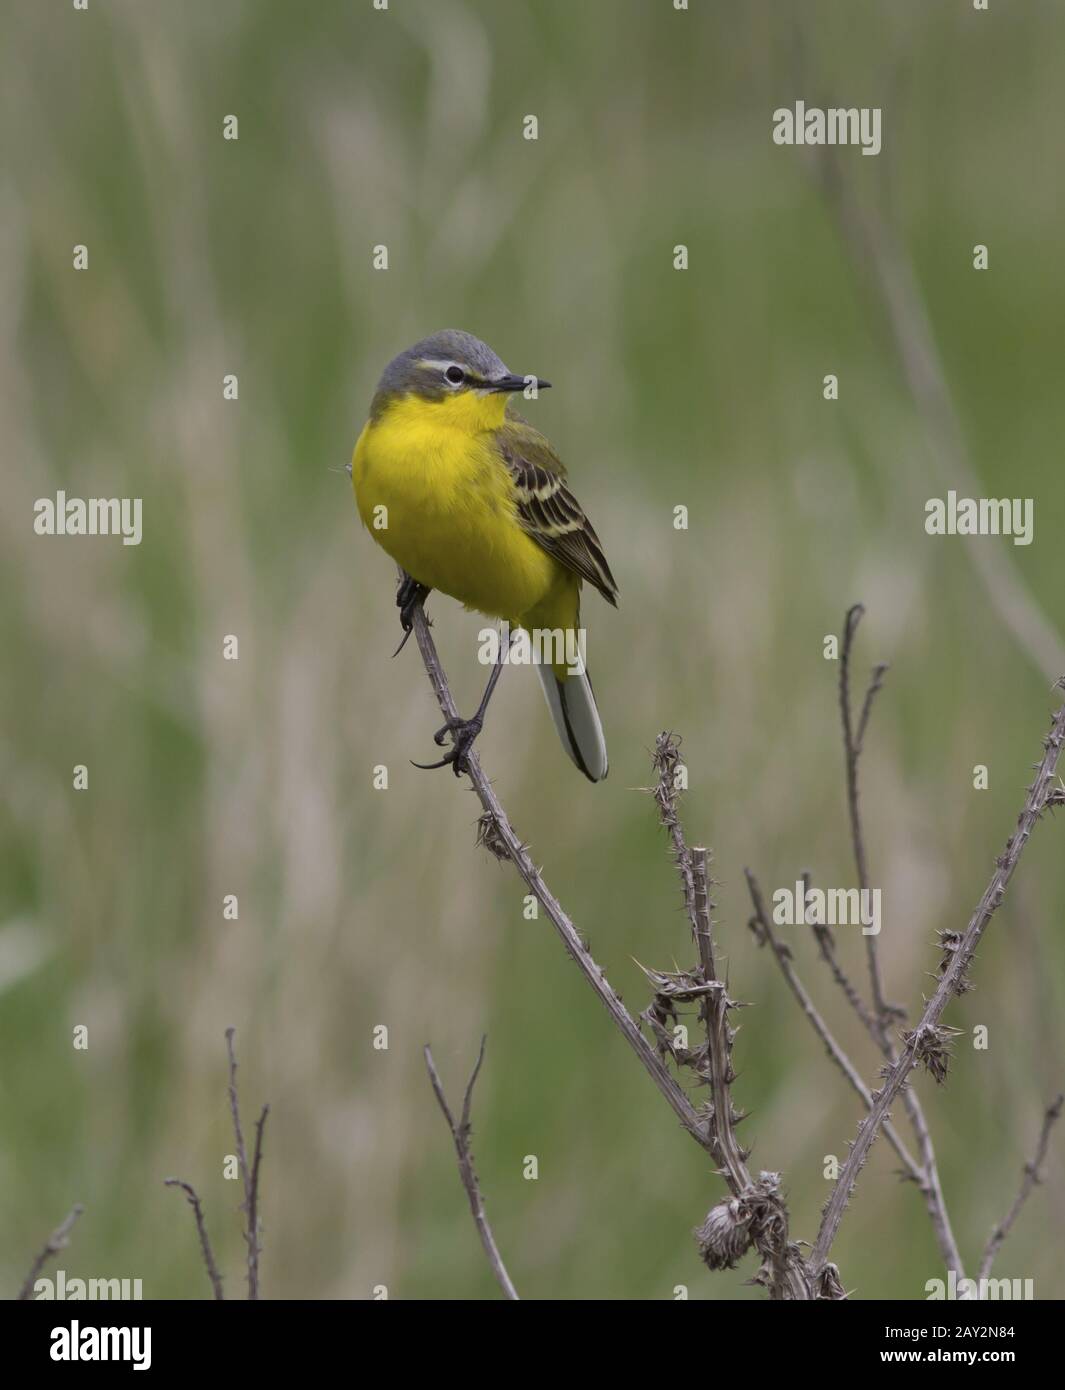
x=460, y=1133
x=58, y=1240
x=201, y=1231
x=928, y=1043
x=1030, y=1180
x=755, y=1214
x=254, y=1232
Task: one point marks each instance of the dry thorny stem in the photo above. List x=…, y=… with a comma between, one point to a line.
x=249, y=1175
x=460, y=1133
x=1030, y=1180
x=928, y=1043
x=58, y=1240
x=755, y=1213
x=201, y=1230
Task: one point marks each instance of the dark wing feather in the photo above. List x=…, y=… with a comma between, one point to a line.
x=547, y=509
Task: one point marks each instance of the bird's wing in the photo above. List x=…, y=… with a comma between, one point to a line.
x=547, y=509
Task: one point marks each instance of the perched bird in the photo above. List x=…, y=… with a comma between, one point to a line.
x=468, y=498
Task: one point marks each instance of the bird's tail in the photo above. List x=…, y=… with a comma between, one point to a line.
x=571, y=701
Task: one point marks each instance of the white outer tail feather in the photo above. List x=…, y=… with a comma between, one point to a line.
x=572, y=705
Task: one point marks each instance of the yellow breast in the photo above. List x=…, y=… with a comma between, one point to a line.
x=437, y=497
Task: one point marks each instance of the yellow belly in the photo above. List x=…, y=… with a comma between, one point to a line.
x=441, y=503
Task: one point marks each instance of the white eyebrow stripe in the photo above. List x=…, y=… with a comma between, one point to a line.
x=441, y=364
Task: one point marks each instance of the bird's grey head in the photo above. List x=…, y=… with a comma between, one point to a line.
x=444, y=364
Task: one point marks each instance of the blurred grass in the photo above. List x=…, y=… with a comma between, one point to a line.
x=704, y=389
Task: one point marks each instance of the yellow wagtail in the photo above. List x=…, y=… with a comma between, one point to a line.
x=469, y=499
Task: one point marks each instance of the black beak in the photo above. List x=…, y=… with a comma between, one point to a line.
x=512, y=382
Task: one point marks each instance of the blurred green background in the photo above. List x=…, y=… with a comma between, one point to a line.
x=703, y=388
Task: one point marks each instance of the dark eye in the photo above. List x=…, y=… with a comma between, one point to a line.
x=455, y=375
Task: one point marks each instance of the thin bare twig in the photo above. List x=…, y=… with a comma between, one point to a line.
x=1029, y=1181
x=253, y=1233
x=234, y=1106
x=249, y=1178
x=201, y=1229
x=884, y=1013
x=765, y=935
x=249, y=1173
x=827, y=947
x=928, y=1042
x=460, y=1133
x=852, y=748
x=58, y=1240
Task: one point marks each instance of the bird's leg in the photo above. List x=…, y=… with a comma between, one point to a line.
x=464, y=731
x=408, y=596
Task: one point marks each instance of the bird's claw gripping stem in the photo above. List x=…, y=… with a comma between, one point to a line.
x=463, y=732
x=408, y=596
